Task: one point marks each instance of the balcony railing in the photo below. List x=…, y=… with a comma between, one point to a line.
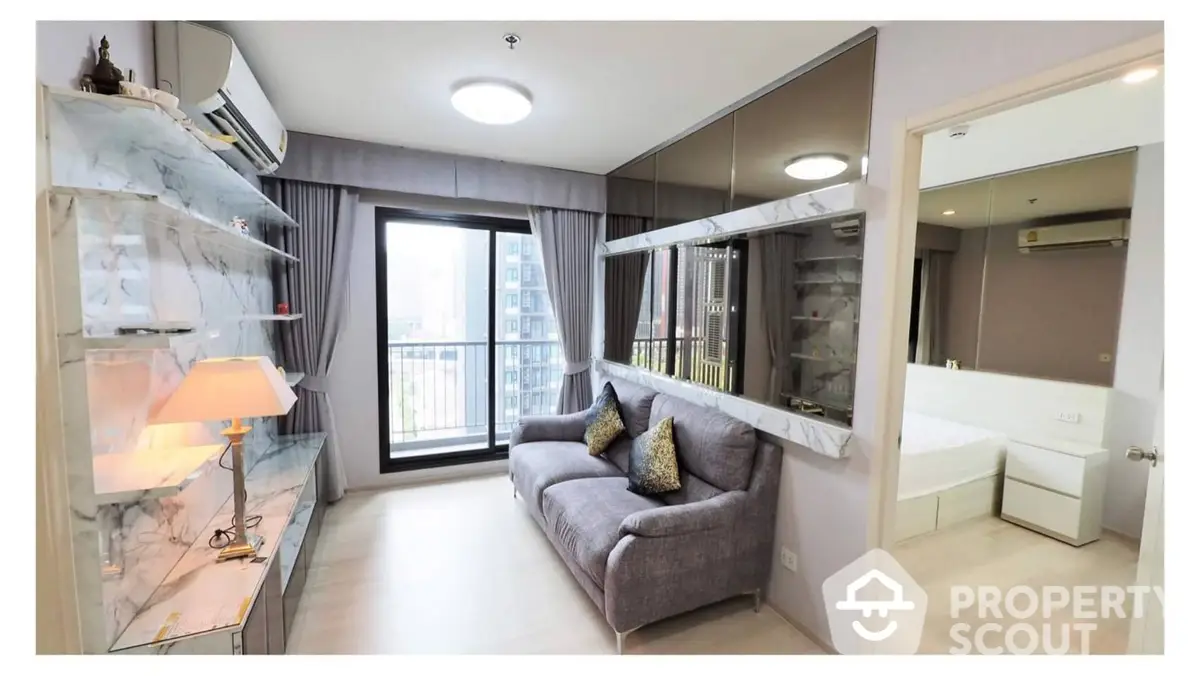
x=651, y=353
x=438, y=391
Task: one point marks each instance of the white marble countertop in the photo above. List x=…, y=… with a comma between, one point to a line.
x=816, y=435
x=200, y=594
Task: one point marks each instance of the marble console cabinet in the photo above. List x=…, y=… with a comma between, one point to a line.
x=246, y=606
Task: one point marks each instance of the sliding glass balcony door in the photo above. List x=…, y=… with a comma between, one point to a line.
x=467, y=341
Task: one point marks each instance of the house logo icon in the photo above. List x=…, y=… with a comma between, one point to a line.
x=874, y=606
x=869, y=608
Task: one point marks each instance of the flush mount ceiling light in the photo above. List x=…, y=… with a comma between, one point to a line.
x=1140, y=75
x=948, y=212
x=815, y=167
x=489, y=102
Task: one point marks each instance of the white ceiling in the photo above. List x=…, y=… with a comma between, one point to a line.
x=603, y=92
x=1096, y=119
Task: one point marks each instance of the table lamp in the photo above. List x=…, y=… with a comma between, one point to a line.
x=231, y=389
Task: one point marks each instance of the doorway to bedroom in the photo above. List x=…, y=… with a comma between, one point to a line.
x=1035, y=353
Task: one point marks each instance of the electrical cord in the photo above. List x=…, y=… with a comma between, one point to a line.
x=221, y=537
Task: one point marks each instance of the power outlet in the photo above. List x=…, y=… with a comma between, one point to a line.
x=1068, y=417
x=788, y=558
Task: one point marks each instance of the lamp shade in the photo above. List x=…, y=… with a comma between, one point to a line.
x=222, y=389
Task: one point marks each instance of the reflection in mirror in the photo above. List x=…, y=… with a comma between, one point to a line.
x=987, y=298
x=694, y=175
x=630, y=203
x=636, y=307
x=803, y=291
x=824, y=111
x=709, y=321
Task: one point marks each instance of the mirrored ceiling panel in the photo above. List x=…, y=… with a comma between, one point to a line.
x=817, y=125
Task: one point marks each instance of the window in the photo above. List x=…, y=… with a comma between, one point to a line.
x=526, y=300
x=510, y=300
x=527, y=273
x=514, y=248
x=510, y=326
x=511, y=274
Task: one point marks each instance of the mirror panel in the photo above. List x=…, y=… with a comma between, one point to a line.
x=694, y=175
x=826, y=110
x=981, y=303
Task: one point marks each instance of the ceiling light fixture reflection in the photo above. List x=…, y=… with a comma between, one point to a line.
x=491, y=102
x=948, y=212
x=815, y=167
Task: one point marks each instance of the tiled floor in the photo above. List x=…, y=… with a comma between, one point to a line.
x=460, y=567
x=988, y=551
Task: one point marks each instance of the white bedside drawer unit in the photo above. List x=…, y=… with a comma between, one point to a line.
x=1056, y=492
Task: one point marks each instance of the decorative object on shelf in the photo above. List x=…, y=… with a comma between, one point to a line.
x=106, y=78
x=282, y=309
x=231, y=389
x=954, y=364
x=240, y=225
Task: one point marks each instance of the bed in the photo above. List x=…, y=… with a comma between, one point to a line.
x=949, y=472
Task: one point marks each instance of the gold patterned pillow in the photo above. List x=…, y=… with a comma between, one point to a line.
x=604, y=422
x=653, y=468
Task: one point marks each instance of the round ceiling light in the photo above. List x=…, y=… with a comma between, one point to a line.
x=815, y=167
x=1139, y=75
x=491, y=102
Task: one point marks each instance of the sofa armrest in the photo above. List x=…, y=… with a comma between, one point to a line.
x=569, y=427
x=711, y=514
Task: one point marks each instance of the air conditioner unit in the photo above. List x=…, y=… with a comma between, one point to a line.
x=1074, y=236
x=203, y=67
x=846, y=228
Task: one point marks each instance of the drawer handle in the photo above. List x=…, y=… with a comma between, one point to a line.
x=1136, y=453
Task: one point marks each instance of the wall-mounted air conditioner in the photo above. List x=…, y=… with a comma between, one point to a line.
x=1074, y=236
x=846, y=228
x=203, y=67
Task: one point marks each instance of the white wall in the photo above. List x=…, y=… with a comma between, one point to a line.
x=354, y=382
x=1137, y=376
x=68, y=49
x=918, y=66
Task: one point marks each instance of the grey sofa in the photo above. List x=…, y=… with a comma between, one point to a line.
x=642, y=559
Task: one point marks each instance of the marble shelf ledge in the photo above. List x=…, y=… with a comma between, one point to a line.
x=122, y=125
x=72, y=347
x=153, y=212
x=156, y=473
x=200, y=594
x=814, y=434
x=828, y=203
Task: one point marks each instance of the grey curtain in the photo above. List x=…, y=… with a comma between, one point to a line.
x=624, y=276
x=567, y=240
x=931, y=321
x=315, y=287
x=779, y=251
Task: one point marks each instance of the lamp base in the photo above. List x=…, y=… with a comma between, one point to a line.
x=240, y=550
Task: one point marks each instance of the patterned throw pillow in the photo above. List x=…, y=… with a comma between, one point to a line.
x=652, y=465
x=604, y=422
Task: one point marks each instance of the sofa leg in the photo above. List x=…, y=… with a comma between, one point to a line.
x=621, y=641
x=757, y=600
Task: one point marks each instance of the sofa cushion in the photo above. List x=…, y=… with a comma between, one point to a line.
x=585, y=517
x=710, y=444
x=653, y=469
x=635, y=405
x=618, y=452
x=604, y=423
x=537, y=465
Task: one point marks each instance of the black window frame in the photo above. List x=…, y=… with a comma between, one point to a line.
x=494, y=226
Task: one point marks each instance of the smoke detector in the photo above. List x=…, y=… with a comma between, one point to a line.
x=959, y=131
